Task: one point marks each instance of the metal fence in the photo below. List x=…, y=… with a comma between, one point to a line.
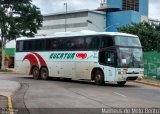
x=152, y=64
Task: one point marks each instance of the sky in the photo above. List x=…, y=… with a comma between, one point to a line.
x=54, y=6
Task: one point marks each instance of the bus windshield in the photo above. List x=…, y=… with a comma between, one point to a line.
x=131, y=57
x=127, y=41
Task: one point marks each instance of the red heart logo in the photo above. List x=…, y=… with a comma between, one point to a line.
x=81, y=55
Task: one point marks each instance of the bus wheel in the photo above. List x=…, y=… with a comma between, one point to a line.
x=35, y=73
x=44, y=73
x=121, y=83
x=99, y=78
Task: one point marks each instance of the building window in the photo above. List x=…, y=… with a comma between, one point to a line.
x=131, y=5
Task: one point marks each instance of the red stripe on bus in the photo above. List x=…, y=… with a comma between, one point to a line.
x=32, y=59
x=41, y=60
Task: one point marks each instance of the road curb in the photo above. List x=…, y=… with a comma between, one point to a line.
x=7, y=73
x=10, y=106
x=148, y=83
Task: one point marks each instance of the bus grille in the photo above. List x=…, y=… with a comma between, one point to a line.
x=132, y=78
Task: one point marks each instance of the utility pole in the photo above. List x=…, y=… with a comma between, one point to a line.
x=66, y=16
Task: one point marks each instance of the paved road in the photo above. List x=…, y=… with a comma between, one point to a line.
x=35, y=94
x=3, y=104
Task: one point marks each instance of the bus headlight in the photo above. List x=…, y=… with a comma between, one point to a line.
x=121, y=73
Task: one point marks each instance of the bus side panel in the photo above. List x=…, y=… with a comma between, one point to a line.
x=62, y=69
x=83, y=70
x=69, y=69
x=109, y=73
x=84, y=66
x=53, y=69
x=58, y=69
x=78, y=67
x=21, y=66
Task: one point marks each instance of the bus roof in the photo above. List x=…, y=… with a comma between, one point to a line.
x=72, y=34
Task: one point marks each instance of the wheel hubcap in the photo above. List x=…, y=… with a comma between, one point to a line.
x=98, y=78
x=44, y=74
x=35, y=73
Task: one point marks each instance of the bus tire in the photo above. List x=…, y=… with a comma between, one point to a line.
x=121, y=83
x=99, y=78
x=35, y=73
x=44, y=73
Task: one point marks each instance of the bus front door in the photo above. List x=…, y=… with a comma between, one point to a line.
x=107, y=58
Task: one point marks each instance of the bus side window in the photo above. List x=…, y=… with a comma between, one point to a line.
x=107, y=57
x=19, y=46
x=79, y=43
x=110, y=58
x=74, y=43
x=69, y=44
x=39, y=45
x=52, y=44
x=91, y=43
x=28, y=45
x=106, y=41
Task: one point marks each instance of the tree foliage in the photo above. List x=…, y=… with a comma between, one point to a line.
x=149, y=34
x=18, y=18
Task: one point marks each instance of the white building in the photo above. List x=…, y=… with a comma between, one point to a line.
x=73, y=21
x=154, y=21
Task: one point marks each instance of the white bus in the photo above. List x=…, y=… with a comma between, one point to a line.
x=85, y=55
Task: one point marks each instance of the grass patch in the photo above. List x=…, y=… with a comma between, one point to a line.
x=150, y=78
x=6, y=70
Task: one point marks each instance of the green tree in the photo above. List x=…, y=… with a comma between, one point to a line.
x=149, y=34
x=18, y=18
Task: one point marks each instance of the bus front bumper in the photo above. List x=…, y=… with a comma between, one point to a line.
x=130, y=77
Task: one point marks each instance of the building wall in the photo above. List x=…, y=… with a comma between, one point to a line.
x=114, y=4
x=56, y=23
x=120, y=18
x=117, y=19
x=98, y=22
x=155, y=21
x=76, y=21
x=143, y=5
